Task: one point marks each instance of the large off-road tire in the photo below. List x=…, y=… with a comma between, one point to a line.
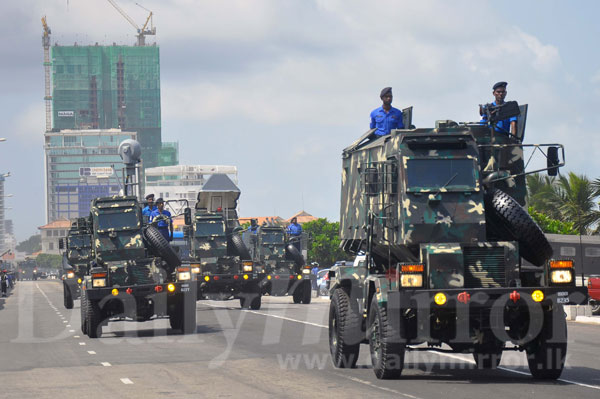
x=595, y=307
x=240, y=248
x=298, y=293
x=306, y=292
x=161, y=247
x=387, y=356
x=292, y=253
x=183, y=317
x=251, y=299
x=83, y=306
x=68, y=298
x=546, y=354
x=507, y=220
x=345, y=333
x=94, y=319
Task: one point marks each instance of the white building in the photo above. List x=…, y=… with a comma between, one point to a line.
x=51, y=233
x=183, y=182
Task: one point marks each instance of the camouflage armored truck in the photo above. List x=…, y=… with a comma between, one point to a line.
x=437, y=213
x=135, y=274
x=218, y=255
x=76, y=259
x=282, y=263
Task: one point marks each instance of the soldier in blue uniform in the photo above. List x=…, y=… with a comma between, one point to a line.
x=148, y=209
x=506, y=126
x=164, y=222
x=386, y=117
x=253, y=226
x=294, y=230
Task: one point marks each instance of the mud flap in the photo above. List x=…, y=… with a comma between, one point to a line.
x=394, y=314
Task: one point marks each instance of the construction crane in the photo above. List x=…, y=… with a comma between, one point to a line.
x=47, y=65
x=141, y=32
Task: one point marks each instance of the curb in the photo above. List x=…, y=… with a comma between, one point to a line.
x=587, y=320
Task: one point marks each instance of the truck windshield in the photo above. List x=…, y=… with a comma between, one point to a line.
x=272, y=238
x=437, y=173
x=118, y=220
x=209, y=228
x=80, y=242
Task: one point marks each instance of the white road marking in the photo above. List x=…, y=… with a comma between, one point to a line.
x=91, y=352
x=68, y=325
x=71, y=330
x=370, y=384
x=76, y=336
x=269, y=315
x=126, y=381
x=65, y=321
x=82, y=343
x=106, y=364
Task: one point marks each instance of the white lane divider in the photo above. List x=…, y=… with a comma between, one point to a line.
x=71, y=330
x=126, y=381
x=91, y=352
x=106, y=364
x=581, y=384
x=76, y=336
x=82, y=343
x=370, y=384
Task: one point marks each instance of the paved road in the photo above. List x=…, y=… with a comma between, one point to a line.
x=279, y=351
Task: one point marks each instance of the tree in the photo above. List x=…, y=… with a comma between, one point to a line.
x=550, y=225
x=30, y=245
x=541, y=194
x=575, y=201
x=324, y=248
x=49, y=261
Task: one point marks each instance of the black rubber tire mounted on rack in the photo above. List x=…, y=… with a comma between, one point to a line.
x=161, y=247
x=240, y=247
x=507, y=220
x=292, y=253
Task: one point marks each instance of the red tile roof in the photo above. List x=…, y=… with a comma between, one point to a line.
x=57, y=224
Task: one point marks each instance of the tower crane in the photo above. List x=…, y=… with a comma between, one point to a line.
x=141, y=32
x=47, y=65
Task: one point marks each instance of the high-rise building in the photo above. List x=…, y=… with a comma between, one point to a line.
x=111, y=87
x=80, y=166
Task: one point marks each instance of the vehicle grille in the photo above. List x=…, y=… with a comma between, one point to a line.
x=484, y=267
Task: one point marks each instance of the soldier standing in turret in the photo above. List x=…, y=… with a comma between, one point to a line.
x=386, y=117
x=506, y=126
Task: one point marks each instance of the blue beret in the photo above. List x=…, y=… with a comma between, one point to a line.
x=386, y=90
x=150, y=196
x=159, y=200
x=499, y=84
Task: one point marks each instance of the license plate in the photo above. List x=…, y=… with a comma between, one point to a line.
x=562, y=300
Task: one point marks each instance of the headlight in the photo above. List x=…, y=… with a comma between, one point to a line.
x=306, y=271
x=70, y=275
x=196, y=269
x=247, y=268
x=184, y=276
x=99, y=282
x=561, y=276
x=411, y=280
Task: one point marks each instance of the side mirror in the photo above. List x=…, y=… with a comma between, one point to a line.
x=61, y=243
x=186, y=231
x=371, y=182
x=552, y=161
x=187, y=216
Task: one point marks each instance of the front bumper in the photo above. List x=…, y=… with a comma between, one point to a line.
x=144, y=291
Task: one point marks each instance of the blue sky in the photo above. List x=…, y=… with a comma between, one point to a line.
x=279, y=87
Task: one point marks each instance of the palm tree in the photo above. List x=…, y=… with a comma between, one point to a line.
x=540, y=194
x=574, y=199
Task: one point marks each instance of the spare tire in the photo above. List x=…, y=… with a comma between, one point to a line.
x=292, y=253
x=160, y=247
x=507, y=220
x=240, y=247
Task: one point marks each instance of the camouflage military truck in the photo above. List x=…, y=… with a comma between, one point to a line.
x=218, y=255
x=282, y=263
x=135, y=275
x=77, y=255
x=437, y=213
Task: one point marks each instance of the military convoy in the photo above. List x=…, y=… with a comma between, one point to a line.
x=436, y=211
x=281, y=261
x=217, y=254
x=77, y=255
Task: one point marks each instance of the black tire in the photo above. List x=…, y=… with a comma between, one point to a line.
x=595, y=307
x=94, y=319
x=487, y=360
x=298, y=294
x=547, y=353
x=240, y=248
x=344, y=330
x=83, y=306
x=161, y=247
x=507, y=220
x=68, y=298
x=387, y=356
x=256, y=302
x=292, y=253
x=183, y=316
x=306, y=292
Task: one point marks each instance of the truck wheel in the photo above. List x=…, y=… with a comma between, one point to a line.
x=507, y=220
x=306, y=292
x=344, y=330
x=68, y=298
x=256, y=302
x=161, y=247
x=240, y=248
x=298, y=293
x=487, y=360
x=292, y=253
x=94, y=319
x=252, y=299
x=387, y=356
x=83, y=307
x=595, y=307
x=546, y=354
x=183, y=317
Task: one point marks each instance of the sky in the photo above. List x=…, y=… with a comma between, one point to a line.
x=279, y=87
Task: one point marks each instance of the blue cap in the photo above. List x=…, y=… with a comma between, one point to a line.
x=499, y=84
x=386, y=90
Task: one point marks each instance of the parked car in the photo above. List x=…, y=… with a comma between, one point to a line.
x=323, y=282
x=594, y=293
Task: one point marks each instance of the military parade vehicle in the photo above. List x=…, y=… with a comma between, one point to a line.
x=134, y=274
x=77, y=255
x=281, y=261
x=217, y=254
x=437, y=212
